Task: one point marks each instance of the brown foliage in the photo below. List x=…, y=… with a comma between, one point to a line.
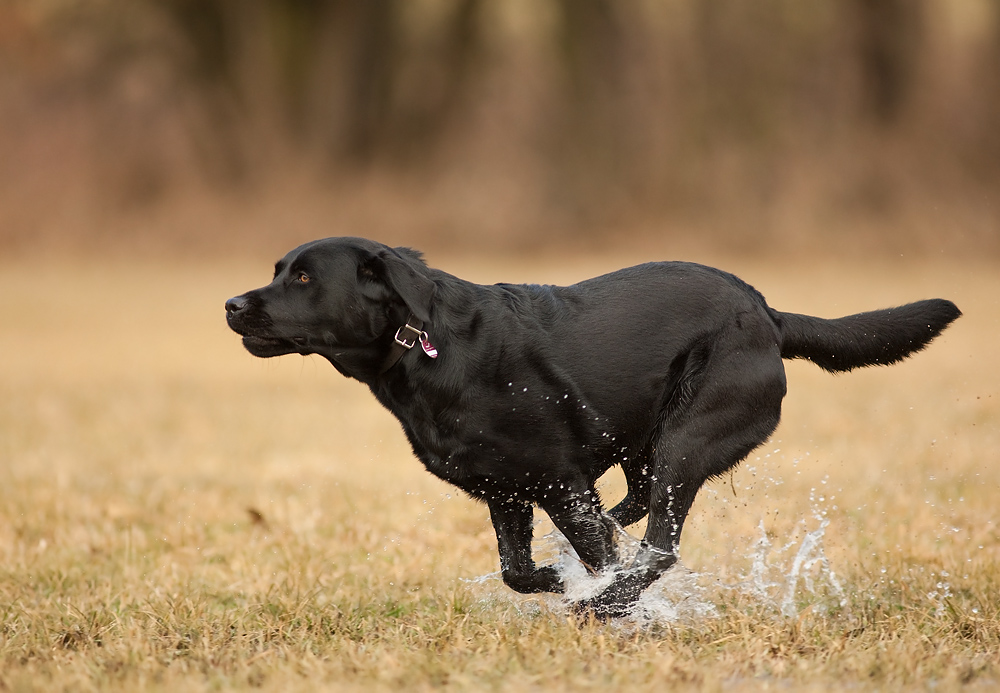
x=755, y=124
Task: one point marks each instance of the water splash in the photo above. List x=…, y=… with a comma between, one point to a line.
x=785, y=580
x=680, y=594
x=941, y=593
x=782, y=583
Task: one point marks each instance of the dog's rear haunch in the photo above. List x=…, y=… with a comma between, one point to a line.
x=524, y=395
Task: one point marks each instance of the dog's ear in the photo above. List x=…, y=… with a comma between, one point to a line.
x=405, y=273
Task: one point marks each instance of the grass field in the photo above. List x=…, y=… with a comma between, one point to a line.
x=177, y=515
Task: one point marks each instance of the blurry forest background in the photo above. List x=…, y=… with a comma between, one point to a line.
x=241, y=126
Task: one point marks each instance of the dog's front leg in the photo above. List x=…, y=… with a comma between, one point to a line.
x=512, y=522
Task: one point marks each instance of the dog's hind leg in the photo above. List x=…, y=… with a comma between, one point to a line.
x=634, y=506
x=735, y=409
x=512, y=521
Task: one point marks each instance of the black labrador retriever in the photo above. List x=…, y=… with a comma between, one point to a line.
x=524, y=395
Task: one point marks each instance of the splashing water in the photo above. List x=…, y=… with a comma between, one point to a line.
x=677, y=595
x=777, y=582
x=785, y=576
x=779, y=578
x=786, y=580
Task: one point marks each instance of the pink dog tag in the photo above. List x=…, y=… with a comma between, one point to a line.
x=429, y=349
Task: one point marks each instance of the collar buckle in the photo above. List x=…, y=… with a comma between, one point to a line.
x=401, y=340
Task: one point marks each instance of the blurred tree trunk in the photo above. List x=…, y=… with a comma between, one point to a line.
x=373, y=72
x=982, y=146
x=209, y=66
x=396, y=93
x=595, y=123
x=297, y=29
x=890, y=38
x=403, y=96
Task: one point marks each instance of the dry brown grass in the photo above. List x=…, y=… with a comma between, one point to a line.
x=175, y=514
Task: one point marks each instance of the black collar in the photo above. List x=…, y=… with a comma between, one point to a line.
x=406, y=338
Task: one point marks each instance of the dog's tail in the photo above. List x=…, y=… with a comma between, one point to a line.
x=879, y=337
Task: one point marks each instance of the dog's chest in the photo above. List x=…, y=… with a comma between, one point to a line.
x=523, y=434
x=528, y=459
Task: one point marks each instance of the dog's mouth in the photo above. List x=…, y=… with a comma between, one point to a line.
x=266, y=347
x=259, y=338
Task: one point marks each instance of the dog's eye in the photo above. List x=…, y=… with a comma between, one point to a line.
x=303, y=278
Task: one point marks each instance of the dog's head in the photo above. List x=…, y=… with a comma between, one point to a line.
x=336, y=297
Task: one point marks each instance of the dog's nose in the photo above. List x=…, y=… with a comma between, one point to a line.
x=235, y=305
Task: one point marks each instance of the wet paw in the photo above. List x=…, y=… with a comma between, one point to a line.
x=618, y=598
x=544, y=579
x=600, y=608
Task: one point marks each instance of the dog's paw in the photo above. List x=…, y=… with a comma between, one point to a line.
x=618, y=598
x=544, y=579
x=600, y=608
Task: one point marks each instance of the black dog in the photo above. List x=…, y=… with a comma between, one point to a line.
x=524, y=395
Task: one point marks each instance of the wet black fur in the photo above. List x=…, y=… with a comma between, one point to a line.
x=671, y=370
